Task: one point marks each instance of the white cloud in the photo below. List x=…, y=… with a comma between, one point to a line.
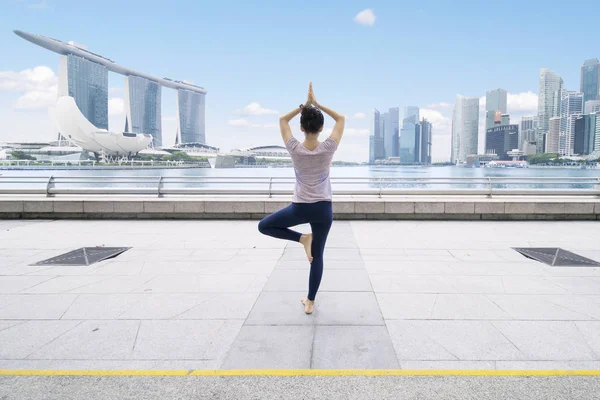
x=38, y=78
x=115, y=91
x=526, y=102
x=238, y=122
x=37, y=99
x=116, y=106
x=38, y=85
x=256, y=109
x=356, y=132
x=359, y=115
x=441, y=106
x=365, y=17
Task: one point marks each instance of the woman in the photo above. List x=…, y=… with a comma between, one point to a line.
x=312, y=194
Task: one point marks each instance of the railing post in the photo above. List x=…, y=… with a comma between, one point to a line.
x=270, y=187
x=48, y=185
x=490, y=186
x=598, y=186
x=158, y=186
x=380, y=187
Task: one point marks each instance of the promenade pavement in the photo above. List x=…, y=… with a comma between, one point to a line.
x=217, y=295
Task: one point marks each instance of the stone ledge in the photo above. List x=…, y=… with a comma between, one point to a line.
x=438, y=208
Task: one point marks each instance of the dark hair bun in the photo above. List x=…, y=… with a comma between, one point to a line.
x=311, y=119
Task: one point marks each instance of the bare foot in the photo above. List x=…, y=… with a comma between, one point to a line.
x=306, y=241
x=309, y=305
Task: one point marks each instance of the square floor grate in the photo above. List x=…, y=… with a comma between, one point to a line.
x=84, y=256
x=556, y=257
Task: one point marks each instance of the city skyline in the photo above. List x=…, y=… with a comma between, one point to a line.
x=251, y=81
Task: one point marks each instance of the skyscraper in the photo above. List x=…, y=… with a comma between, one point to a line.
x=591, y=107
x=528, y=130
x=391, y=132
x=426, y=136
x=550, y=84
x=410, y=136
x=87, y=82
x=501, y=139
x=465, y=128
x=585, y=134
x=190, y=117
x=590, y=80
x=143, y=107
x=376, y=145
x=495, y=105
x=552, y=137
x=571, y=106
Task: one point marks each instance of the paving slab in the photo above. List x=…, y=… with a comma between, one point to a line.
x=271, y=347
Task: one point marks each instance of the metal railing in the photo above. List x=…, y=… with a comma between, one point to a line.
x=276, y=186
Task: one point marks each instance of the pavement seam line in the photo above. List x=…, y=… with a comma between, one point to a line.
x=302, y=372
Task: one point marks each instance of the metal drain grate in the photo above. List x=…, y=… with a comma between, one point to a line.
x=556, y=257
x=84, y=256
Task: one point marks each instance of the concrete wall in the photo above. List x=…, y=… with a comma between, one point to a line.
x=466, y=208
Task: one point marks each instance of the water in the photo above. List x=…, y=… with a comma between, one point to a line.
x=416, y=172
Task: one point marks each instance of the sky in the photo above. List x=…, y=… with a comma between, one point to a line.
x=256, y=58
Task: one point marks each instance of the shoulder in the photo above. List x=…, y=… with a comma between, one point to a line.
x=330, y=144
x=291, y=144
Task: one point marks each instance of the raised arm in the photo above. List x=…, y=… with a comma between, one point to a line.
x=340, y=120
x=284, y=124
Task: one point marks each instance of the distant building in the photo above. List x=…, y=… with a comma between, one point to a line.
x=552, y=137
x=495, y=106
x=190, y=117
x=590, y=80
x=376, y=140
x=571, y=107
x=585, y=134
x=465, y=128
x=410, y=145
x=143, y=107
x=391, y=132
x=87, y=82
x=426, y=140
x=502, y=139
x=591, y=107
x=550, y=84
x=527, y=131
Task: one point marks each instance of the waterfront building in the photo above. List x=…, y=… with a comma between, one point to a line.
x=527, y=131
x=410, y=137
x=591, y=107
x=584, y=134
x=391, y=132
x=552, y=136
x=376, y=141
x=571, y=107
x=426, y=139
x=495, y=107
x=550, y=85
x=83, y=75
x=143, y=107
x=502, y=139
x=465, y=128
x=590, y=80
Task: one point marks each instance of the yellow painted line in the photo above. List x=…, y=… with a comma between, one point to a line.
x=299, y=372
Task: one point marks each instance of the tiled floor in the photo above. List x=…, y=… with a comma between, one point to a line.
x=217, y=294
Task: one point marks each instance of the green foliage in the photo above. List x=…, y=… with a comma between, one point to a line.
x=19, y=155
x=543, y=158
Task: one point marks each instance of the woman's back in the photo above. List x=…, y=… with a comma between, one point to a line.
x=312, y=168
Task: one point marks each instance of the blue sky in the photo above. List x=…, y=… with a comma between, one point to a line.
x=414, y=53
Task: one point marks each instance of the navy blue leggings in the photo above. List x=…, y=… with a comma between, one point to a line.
x=320, y=216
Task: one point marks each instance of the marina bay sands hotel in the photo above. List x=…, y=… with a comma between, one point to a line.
x=83, y=75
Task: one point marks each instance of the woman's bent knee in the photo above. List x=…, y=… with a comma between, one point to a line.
x=262, y=227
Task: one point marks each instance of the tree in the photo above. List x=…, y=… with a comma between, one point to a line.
x=543, y=158
x=20, y=155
